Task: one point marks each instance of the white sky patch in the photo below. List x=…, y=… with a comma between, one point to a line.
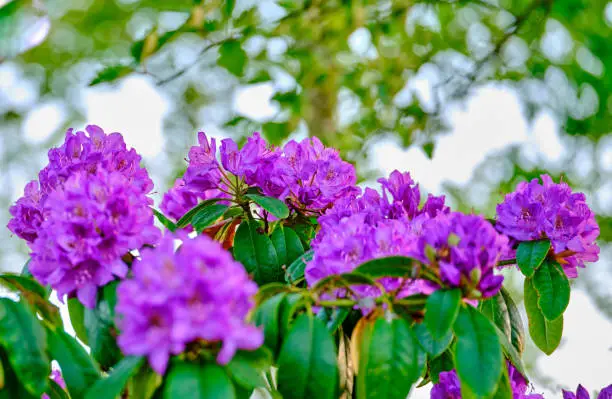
x=133, y=108
x=42, y=121
x=254, y=102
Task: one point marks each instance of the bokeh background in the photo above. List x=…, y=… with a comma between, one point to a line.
x=471, y=97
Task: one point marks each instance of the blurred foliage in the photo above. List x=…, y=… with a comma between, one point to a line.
x=346, y=71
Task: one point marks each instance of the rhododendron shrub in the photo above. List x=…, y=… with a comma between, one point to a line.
x=268, y=272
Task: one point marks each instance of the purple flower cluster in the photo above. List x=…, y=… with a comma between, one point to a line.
x=550, y=210
x=463, y=250
x=196, y=294
x=582, y=393
x=87, y=152
x=449, y=386
x=89, y=225
x=358, y=229
x=307, y=175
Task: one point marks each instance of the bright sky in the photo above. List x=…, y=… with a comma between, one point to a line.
x=491, y=121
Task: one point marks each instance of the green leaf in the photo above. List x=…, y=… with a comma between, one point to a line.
x=295, y=271
x=275, y=206
x=391, y=266
x=267, y=316
x=478, y=354
x=531, y=254
x=78, y=369
x=276, y=132
x=256, y=252
x=517, y=329
x=22, y=27
x=76, y=310
x=113, y=385
x=307, y=366
x=333, y=318
x=390, y=360
x=546, y=334
x=287, y=244
x=440, y=363
x=290, y=306
x=342, y=280
x=23, y=338
x=229, y=8
x=101, y=333
x=502, y=311
x=510, y=351
x=34, y=294
x=504, y=389
x=433, y=346
x=186, y=218
x=111, y=73
x=12, y=387
x=247, y=368
x=441, y=310
x=553, y=289
x=194, y=381
x=232, y=57
x=207, y=216
x=167, y=223
x=144, y=383
x=56, y=392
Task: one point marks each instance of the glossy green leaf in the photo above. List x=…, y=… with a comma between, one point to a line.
x=187, y=217
x=267, y=316
x=247, y=368
x=195, y=381
x=101, y=333
x=208, y=216
x=112, y=386
x=553, y=289
x=167, y=223
x=78, y=369
x=390, y=266
x=478, y=354
x=111, y=73
x=295, y=271
x=510, y=351
x=390, y=360
x=34, y=294
x=531, y=254
x=144, y=383
x=307, y=366
x=76, y=311
x=290, y=307
x=441, y=363
x=502, y=311
x=232, y=57
x=333, y=318
x=12, y=387
x=546, y=334
x=441, y=310
x=23, y=338
x=256, y=252
x=275, y=206
x=504, y=389
x=433, y=346
x=287, y=244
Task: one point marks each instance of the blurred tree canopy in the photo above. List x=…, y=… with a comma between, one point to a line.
x=343, y=70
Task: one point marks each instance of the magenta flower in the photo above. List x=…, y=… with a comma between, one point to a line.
x=89, y=225
x=449, y=386
x=196, y=294
x=463, y=250
x=87, y=152
x=582, y=393
x=203, y=172
x=549, y=210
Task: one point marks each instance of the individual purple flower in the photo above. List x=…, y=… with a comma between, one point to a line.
x=463, y=251
x=582, y=393
x=179, y=199
x=196, y=294
x=449, y=386
x=56, y=376
x=87, y=152
x=27, y=213
x=550, y=210
x=89, y=226
x=204, y=172
x=253, y=161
